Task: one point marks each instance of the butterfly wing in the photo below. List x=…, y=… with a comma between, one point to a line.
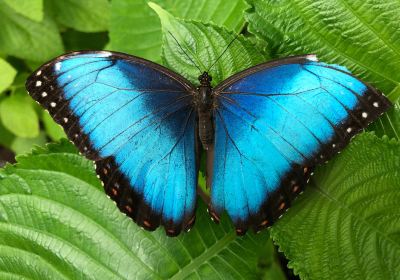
x=135, y=119
x=273, y=123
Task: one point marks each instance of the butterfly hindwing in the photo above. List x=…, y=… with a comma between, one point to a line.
x=273, y=123
x=135, y=119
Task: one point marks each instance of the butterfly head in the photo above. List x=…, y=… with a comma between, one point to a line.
x=205, y=79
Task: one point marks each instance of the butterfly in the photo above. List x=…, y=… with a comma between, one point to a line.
x=263, y=131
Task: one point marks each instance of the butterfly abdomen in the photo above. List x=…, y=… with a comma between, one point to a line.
x=206, y=128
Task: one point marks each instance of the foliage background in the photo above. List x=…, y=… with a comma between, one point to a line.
x=55, y=222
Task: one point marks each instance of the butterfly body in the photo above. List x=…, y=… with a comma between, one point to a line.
x=264, y=130
x=204, y=103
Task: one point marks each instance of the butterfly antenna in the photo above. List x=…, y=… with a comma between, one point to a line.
x=227, y=47
x=185, y=52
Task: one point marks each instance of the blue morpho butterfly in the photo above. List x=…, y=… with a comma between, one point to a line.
x=263, y=129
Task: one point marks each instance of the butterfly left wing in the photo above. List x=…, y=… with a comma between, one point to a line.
x=135, y=119
x=273, y=123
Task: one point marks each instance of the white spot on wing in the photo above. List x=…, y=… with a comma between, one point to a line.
x=57, y=66
x=349, y=129
x=53, y=104
x=105, y=54
x=38, y=73
x=375, y=104
x=44, y=94
x=312, y=57
x=364, y=115
x=38, y=83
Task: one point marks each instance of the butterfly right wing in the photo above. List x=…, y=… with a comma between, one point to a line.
x=273, y=123
x=135, y=119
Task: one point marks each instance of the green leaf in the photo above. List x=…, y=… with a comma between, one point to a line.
x=345, y=226
x=269, y=263
x=22, y=145
x=7, y=75
x=363, y=35
x=32, y=9
x=60, y=157
x=136, y=33
x=139, y=33
x=18, y=115
x=85, y=16
x=54, y=130
x=220, y=12
x=55, y=219
x=204, y=43
x=28, y=39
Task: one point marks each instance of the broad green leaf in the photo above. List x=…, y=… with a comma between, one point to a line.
x=7, y=75
x=54, y=130
x=346, y=224
x=18, y=115
x=139, y=32
x=135, y=29
x=22, y=145
x=28, y=39
x=363, y=35
x=56, y=223
x=203, y=44
x=269, y=263
x=49, y=158
x=32, y=9
x=85, y=16
x=220, y=12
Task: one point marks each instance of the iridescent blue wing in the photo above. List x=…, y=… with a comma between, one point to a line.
x=135, y=119
x=273, y=123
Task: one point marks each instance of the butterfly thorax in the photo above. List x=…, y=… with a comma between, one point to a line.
x=204, y=104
